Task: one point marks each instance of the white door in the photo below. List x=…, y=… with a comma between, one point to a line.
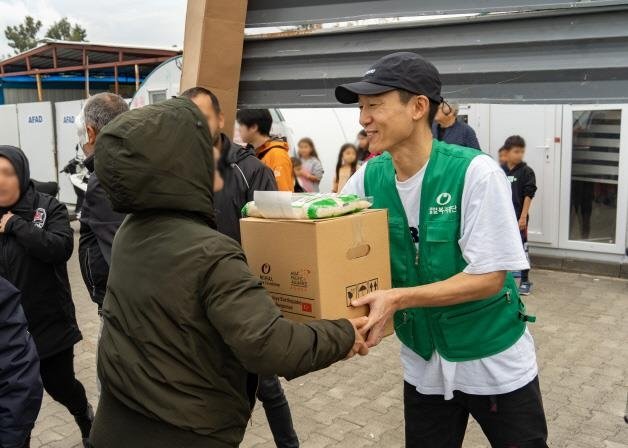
x=594, y=197
x=539, y=125
x=36, y=129
x=9, y=134
x=67, y=139
x=478, y=118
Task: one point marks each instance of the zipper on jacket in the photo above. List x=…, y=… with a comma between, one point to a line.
x=5, y=266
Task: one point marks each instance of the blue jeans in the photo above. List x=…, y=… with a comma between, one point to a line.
x=271, y=394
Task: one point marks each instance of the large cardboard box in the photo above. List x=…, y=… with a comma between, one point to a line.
x=214, y=41
x=313, y=268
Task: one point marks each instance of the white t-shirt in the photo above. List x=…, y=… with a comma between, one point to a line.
x=490, y=241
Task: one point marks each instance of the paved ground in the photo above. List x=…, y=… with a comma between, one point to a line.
x=582, y=340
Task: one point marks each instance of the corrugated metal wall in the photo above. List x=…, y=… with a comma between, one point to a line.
x=562, y=55
x=295, y=12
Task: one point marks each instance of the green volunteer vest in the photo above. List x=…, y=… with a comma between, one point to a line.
x=460, y=332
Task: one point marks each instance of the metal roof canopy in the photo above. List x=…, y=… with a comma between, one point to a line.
x=263, y=13
x=565, y=57
x=64, y=57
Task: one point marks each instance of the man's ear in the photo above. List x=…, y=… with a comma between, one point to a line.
x=221, y=121
x=421, y=107
x=91, y=135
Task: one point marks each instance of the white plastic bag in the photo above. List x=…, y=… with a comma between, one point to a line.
x=285, y=205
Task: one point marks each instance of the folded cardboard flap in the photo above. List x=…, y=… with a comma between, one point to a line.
x=316, y=267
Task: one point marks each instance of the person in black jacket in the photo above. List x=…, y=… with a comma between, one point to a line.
x=99, y=223
x=243, y=174
x=523, y=182
x=20, y=385
x=36, y=241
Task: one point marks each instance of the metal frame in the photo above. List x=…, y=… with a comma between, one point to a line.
x=263, y=13
x=50, y=50
x=619, y=247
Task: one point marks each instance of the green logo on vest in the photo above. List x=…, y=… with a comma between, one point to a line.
x=443, y=199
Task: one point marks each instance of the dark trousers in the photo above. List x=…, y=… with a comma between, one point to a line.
x=512, y=420
x=525, y=275
x=271, y=394
x=57, y=375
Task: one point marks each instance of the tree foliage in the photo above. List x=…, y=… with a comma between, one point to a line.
x=64, y=30
x=23, y=37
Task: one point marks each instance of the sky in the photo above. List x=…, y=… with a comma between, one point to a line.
x=149, y=22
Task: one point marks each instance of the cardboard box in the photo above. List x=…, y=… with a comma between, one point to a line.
x=313, y=268
x=214, y=41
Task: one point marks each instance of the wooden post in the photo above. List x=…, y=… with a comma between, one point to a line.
x=214, y=39
x=137, y=77
x=87, y=76
x=40, y=90
x=54, y=57
x=116, y=87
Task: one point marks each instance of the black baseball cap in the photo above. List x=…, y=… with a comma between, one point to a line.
x=397, y=71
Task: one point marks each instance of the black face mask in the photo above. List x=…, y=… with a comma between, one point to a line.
x=20, y=164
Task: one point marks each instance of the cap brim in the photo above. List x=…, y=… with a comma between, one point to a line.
x=349, y=93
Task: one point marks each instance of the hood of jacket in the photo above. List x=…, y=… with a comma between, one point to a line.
x=270, y=144
x=19, y=161
x=231, y=153
x=515, y=168
x=158, y=157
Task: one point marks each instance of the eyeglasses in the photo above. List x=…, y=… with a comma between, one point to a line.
x=446, y=108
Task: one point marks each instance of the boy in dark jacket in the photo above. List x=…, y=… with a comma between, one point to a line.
x=184, y=318
x=20, y=385
x=523, y=182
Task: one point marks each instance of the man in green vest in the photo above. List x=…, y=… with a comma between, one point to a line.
x=453, y=238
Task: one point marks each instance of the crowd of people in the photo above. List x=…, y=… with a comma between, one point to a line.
x=189, y=338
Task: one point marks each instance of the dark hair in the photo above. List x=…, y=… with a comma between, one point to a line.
x=406, y=96
x=256, y=117
x=193, y=92
x=514, y=140
x=309, y=142
x=362, y=133
x=296, y=162
x=354, y=165
x=502, y=149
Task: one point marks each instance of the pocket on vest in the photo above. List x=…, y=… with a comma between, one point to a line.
x=409, y=326
x=489, y=327
x=441, y=238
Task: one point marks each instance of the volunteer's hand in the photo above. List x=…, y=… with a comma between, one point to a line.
x=523, y=222
x=359, y=346
x=5, y=220
x=382, y=304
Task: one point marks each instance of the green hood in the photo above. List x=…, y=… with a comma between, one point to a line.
x=158, y=157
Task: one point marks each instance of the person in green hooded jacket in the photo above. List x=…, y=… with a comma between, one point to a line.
x=184, y=318
x=453, y=239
